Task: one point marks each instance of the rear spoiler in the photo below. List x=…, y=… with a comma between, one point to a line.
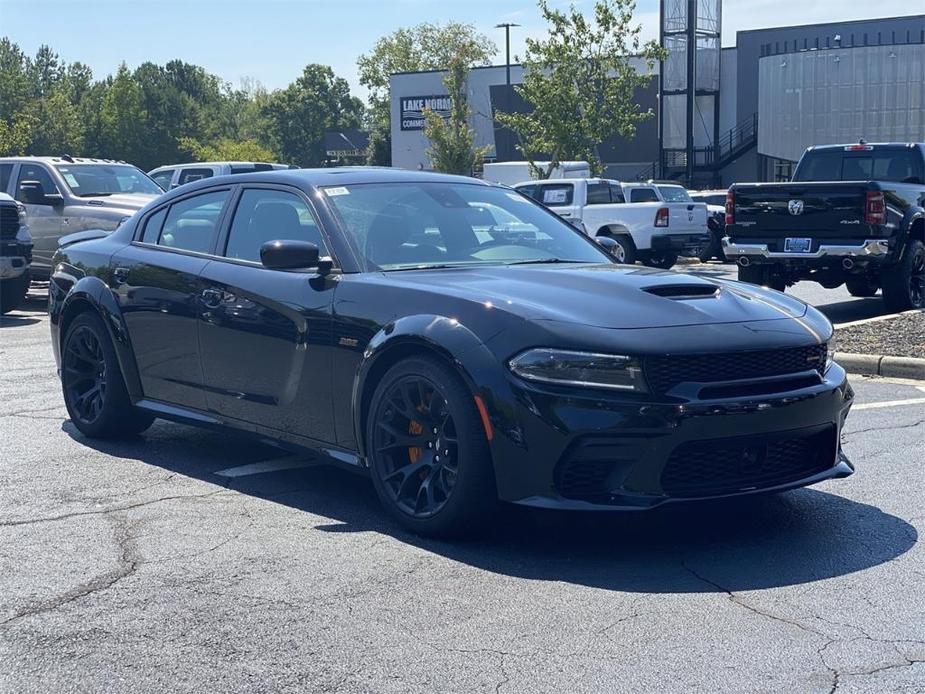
x=78, y=236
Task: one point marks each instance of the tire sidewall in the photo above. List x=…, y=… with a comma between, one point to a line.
x=466, y=507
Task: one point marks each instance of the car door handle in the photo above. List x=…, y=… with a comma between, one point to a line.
x=120, y=275
x=211, y=298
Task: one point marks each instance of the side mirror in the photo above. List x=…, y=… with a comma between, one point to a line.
x=292, y=255
x=33, y=193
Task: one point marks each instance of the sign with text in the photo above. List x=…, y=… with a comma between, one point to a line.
x=413, y=107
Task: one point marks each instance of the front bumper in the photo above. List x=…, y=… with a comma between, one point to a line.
x=625, y=454
x=688, y=245
x=868, y=249
x=13, y=267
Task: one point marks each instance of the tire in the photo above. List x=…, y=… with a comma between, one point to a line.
x=94, y=390
x=661, y=259
x=625, y=252
x=861, y=287
x=904, y=284
x=762, y=275
x=13, y=292
x=451, y=498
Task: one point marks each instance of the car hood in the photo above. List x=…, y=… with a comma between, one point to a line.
x=606, y=296
x=122, y=201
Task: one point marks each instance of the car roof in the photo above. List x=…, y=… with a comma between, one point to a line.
x=166, y=167
x=881, y=145
x=334, y=176
x=554, y=181
x=64, y=159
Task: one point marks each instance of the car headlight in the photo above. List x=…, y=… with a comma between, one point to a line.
x=587, y=369
x=830, y=351
x=21, y=210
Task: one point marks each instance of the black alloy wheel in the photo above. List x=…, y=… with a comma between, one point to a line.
x=904, y=285
x=94, y=390
x=427, y=450
x=664, y=260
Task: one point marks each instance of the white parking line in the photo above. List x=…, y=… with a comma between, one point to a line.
x=287, y=463
x=888, y=403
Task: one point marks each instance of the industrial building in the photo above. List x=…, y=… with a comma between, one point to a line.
x=749, y=112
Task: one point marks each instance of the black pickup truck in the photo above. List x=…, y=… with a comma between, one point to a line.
x=853, y=214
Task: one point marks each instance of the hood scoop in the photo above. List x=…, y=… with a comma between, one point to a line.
x=683, y=291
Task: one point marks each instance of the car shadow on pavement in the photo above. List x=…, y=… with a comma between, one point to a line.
x=28, y=312
x=854, y=309
x=748, y=544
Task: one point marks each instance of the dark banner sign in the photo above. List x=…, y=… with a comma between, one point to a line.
x=413, y=107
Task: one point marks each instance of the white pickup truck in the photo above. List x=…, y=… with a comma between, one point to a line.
x=651, y=222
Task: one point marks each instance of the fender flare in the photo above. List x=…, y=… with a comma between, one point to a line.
x=93, y=291
x=443, y=336
x=912, y=215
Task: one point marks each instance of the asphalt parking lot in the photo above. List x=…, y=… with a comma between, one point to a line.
x=186, y=560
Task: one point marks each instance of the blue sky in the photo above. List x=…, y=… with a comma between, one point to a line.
x=271, y=40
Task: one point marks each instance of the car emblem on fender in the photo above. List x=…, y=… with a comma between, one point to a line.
x=795, y=207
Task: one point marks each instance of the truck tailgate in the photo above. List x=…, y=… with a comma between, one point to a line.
x=820, y=210
x=686, y=217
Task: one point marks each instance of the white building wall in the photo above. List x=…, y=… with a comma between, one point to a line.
x=840, y=95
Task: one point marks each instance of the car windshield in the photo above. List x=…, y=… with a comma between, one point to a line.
x=397, y=226
x=674, y=194
x=860, y=163
x=92, y=180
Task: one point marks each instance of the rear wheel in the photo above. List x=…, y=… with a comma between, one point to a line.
x=904, y=284
x=625, y=250
x=661, y=259
x=861, y=287
x=428, y=452
x=94, y=391
x=13, y=292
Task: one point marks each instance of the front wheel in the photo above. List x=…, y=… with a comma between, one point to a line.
x=428, y=451
x=625, y=250
x=13, y=292
x=861, y=287
x=94, y=391
x=904, y=284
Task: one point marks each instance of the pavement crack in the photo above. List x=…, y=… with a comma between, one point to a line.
x=846, y=434
x=127, y=562
x=113, y=509
x=737, y=600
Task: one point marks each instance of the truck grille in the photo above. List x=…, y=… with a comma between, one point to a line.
x=726, y=466
x=9, y=221
x=664, y=372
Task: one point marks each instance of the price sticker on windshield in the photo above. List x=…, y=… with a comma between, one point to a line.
x=335, y=191
x=555, y=196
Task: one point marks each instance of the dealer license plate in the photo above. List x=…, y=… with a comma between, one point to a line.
x=792, y=245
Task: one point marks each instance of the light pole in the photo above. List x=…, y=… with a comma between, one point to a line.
x=507, y=56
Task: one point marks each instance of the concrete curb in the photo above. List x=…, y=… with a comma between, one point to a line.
x=882, y=365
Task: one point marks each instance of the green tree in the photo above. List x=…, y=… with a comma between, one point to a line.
x=61, y=130
x=299, y=115
x=122, y=119
x=16, y=80
x=581, y=82
x=423, y=47
x=226, y=149
x=452, y=141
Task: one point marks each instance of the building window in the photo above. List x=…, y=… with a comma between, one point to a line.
x=783, y=170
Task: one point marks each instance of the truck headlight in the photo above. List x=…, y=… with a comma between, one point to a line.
x=585, y=369
x=830, y=352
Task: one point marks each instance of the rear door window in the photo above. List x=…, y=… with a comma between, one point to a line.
x=599, y=194
x=190, y=175
x=192, y=224
x=643, y=195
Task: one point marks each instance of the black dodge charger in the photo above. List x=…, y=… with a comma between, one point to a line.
x=452, y=339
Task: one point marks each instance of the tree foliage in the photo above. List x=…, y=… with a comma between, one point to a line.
x=164, y=114
x=452, y=140
x=422, y=47
x=581, y=81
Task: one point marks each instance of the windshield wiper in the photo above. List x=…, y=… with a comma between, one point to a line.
x=427, y=267
x=543, y=261
x=93, y=195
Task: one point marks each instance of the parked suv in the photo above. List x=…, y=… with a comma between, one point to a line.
x=853, y=215
x=63, y=195
x=15, y=254
x=169, y=177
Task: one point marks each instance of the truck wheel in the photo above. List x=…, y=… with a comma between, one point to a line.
x=13, y=291
x=625, y=251
x=661, y=259
x=861, y=287
x=904, y=284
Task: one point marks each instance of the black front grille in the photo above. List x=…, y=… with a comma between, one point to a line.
x=664, y=372
x=595, y=465
x=9, y=221
x=727, y=466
